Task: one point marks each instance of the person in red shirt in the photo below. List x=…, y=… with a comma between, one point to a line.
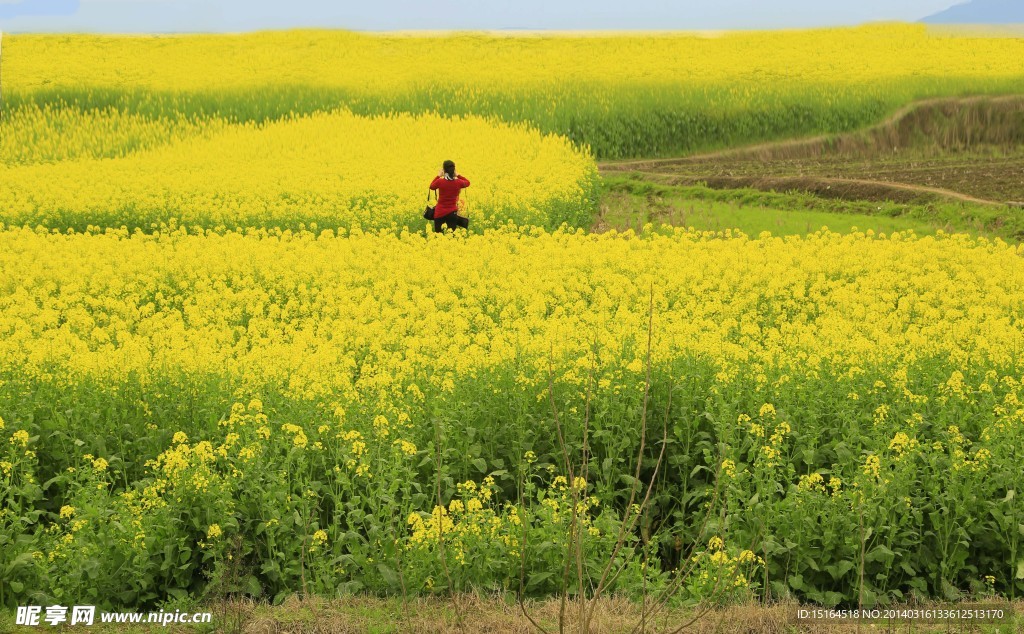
x=448, y=184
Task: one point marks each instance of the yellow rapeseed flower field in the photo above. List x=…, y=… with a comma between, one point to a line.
x=326, y=169
x=48, y=134
x=481, y=62
x=225, y=338
x=302, y=310
x=619, y=94
x=290, y=388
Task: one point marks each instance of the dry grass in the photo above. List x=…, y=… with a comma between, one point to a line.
x=498, y=615
x=495, y=616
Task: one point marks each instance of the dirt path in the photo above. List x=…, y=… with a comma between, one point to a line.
x=839, y=187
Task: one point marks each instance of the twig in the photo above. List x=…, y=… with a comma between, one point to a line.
x=571, y=476
x=440, y=530
x=522, y=564
x=639, y=460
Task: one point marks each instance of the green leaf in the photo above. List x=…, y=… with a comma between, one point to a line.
x=21, y=560
x=350, y=587
x=839, y=569
x=537, y=578
x=253, y=586
x=390, y=576
x=869, y=597
x=17, y=587
x=949, y=592
x=280, y=597
x=177, y=593
x=780, y=589
x=815, y=596
x=1020, y=569
x=879, y=553
x=480, y=464
x=46, y=485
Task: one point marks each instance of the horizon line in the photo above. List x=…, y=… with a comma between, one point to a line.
x=523, y=31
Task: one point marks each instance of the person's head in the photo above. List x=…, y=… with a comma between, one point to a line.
x=449, y=169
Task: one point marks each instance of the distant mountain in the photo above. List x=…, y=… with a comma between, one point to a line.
x=981, y=12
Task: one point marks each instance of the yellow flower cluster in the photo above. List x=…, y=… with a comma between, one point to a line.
x=318, y=540
x=772, y=450
x=20, y=437
x=811, y=482
x=299, y=438
x=835, y=484
x=405, y=447
x=312, y=171
x=901, y=443
x=560, y=483
x=729, y=468
x=815, y=483
x=381, y=426
x=959, y=448
x=872, y=466
x=560, y=502
x=471, y=521
x=724, y=572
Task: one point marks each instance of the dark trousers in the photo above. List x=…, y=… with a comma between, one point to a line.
x=451, y=221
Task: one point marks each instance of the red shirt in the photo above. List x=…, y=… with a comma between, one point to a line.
x=448, y=194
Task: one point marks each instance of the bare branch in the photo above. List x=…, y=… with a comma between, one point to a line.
x=440, y=529
x=639, y=461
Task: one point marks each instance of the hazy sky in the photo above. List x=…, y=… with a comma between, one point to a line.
x=244, y=15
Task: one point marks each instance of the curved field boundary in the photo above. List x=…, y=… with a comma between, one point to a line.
x=936, y=125
x=824, y=143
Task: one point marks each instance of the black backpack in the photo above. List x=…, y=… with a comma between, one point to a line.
x=428, y=213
